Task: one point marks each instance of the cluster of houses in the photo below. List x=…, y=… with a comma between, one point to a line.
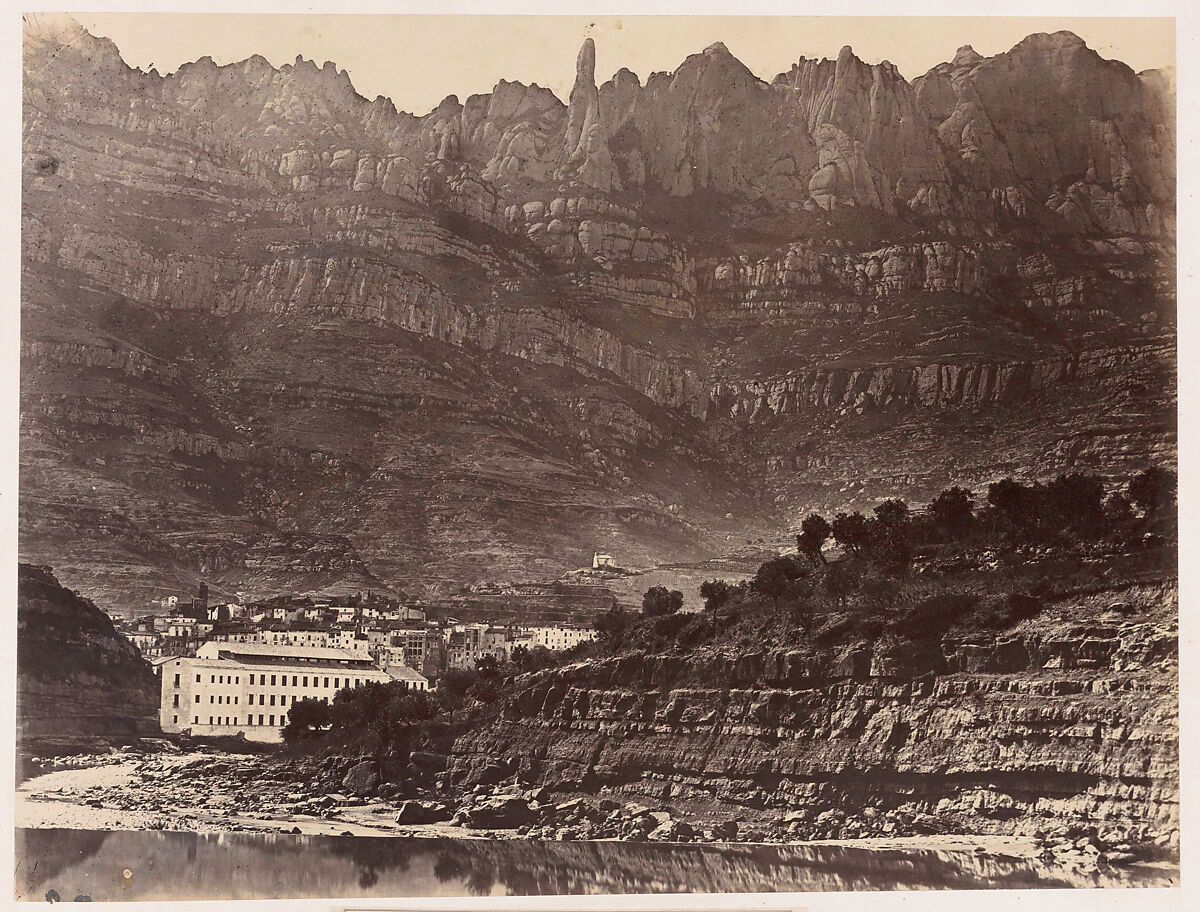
x=215, y=659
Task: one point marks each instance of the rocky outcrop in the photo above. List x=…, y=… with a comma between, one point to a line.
x=78, y=680
x=1090, y=148
x=930, y=386
x=1081, y=722
x=686, y=132
x=586, y=142
x=874, y=148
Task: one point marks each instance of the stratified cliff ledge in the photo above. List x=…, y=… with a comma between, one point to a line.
x=286, y=336
x=1054, y=722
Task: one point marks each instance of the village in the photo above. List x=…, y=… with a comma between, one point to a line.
x=232, y=668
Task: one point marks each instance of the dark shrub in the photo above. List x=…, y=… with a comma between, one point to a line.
x=1022, y=606
x=669, y=625
x=934, y=616
x=699, y=629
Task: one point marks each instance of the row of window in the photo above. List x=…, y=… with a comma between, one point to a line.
x=233, y=720
x=236, y=679
x=262, y=699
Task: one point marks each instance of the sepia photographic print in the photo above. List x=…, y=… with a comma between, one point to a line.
x=476, y=455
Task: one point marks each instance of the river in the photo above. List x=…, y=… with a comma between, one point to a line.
x=110, y=866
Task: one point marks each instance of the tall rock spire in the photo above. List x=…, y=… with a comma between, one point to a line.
x=585, y=143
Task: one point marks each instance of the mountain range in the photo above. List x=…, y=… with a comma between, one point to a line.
x=278, y=335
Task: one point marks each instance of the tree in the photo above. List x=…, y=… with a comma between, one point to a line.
x=775, y=578
x=1008, y=497
x=355, y=707
x=1117, y=509
x=1020, y=505
x=488, y=666
x=851, y=532
x=814, y=532
x=892, y=513
x=839, y=582
x=953, y=510
x=305, y=718
x=1153, y=490
x=657, y=601
x=519, y=656
x=612, y=623
x=1076, y=501
x=715, y=593
x=455, y=684
x=890, y=547
x=541, y=657
x=407, y=708
x=879, y=592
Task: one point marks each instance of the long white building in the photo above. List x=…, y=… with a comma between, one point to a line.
x=232, y=688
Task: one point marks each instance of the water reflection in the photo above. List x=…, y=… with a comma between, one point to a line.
x=177, y=866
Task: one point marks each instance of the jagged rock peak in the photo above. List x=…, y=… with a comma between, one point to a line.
x=585, y=63
x=626, y=77
x=966, y=56
x=1051, y=40
x=585, y=143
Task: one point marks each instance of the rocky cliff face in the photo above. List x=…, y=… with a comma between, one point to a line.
x=77, y=678
x=1053, y=721
x=264, y=317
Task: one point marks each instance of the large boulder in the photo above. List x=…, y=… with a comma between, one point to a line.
x=726, y=832
x=418, y=812
x=362, y=778
x=502, y=812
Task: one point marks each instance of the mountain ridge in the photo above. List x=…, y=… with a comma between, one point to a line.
x=282, y=335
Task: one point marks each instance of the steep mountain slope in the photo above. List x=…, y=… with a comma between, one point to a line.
x=282, y=335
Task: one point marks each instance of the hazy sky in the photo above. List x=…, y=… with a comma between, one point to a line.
x=418, y=60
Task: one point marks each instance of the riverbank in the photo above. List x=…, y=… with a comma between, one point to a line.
x=206, y=791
